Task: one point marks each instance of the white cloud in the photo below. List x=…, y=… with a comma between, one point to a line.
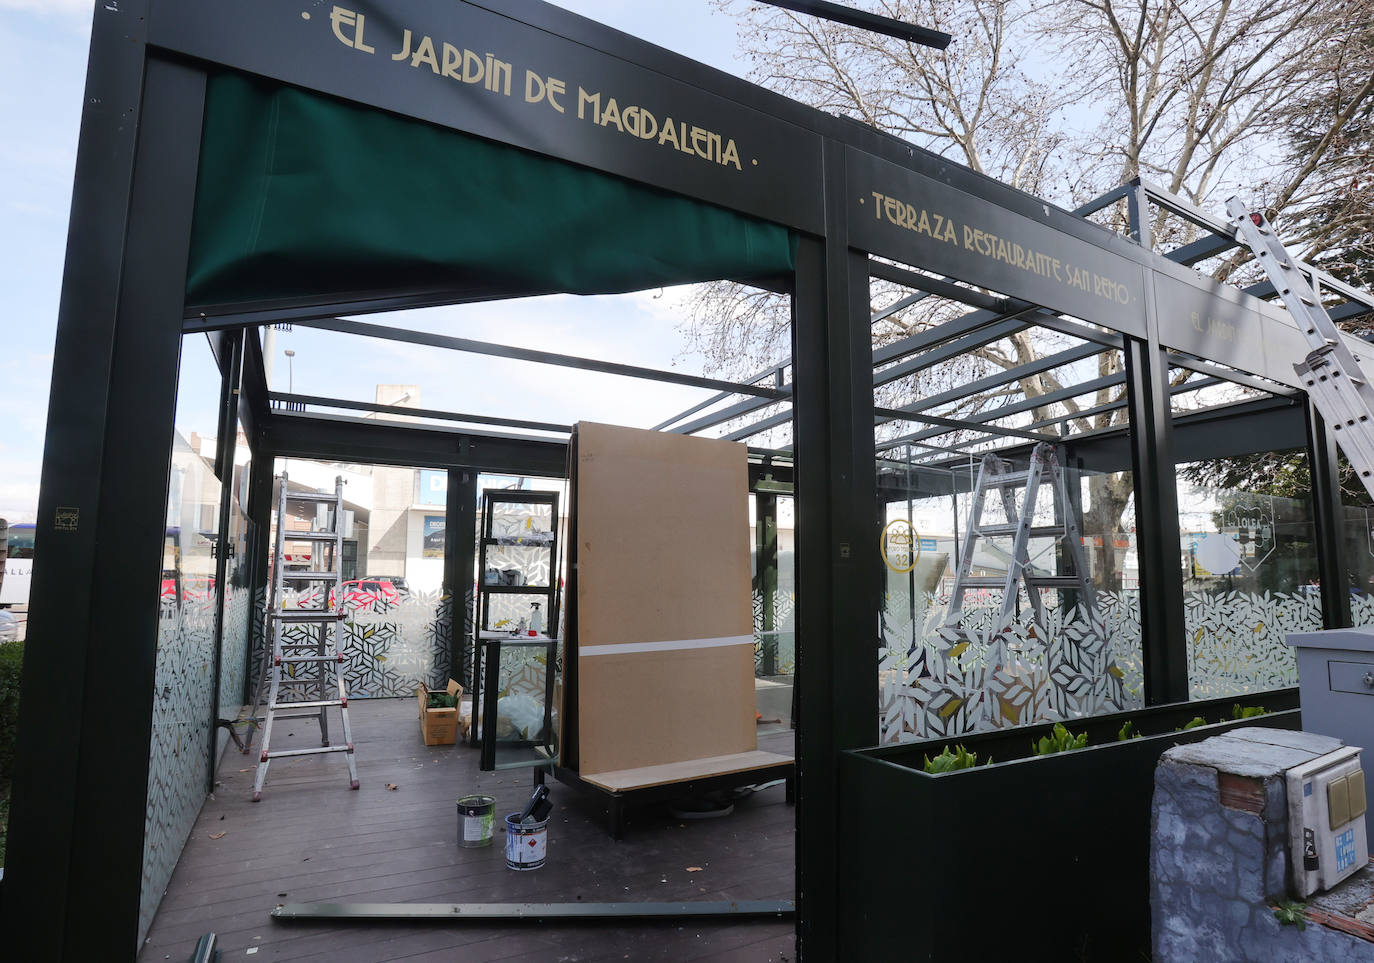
x=61, y=8
x=18, y=490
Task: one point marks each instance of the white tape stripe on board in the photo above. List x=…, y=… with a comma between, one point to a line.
x=623, y=648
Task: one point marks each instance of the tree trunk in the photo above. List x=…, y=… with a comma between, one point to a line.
x=1108, y=496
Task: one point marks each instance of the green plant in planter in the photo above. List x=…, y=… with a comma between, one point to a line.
x=1248, y=712
x=1059, y=740
x=1194, y=723
x=1128, y=731
x=442, y=700
x=948, y=761
x=1292, y=913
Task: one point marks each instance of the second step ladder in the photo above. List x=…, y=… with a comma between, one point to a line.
x=998, y=475
x=305, y=667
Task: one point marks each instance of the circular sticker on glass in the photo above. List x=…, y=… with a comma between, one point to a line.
x=900, y=546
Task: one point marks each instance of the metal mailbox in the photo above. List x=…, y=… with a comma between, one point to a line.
x=1336, y=683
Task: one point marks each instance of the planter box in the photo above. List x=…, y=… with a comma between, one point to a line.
x=1031, y=857
x=439, y=727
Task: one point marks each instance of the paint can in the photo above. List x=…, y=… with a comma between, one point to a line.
x=475, y=816
x=526, y=843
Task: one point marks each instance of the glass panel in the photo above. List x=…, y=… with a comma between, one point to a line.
x=239, y=597
x=396, y=634
x=1359, y=555
x=515, y=523
x=178, y=762
x=513, y=565
x=526, y=722
x=951, y=662
x=1249, y=570
x=774, y=603
x=505, y=611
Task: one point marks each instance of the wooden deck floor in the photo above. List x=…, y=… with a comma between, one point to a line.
x=311, y=839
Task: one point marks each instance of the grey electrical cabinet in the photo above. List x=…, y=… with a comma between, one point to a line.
x=1336, y=684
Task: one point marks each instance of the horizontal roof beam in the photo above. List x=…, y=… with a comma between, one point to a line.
x=954, y=424
x=538, y=357
x=774, y=372
x=1028, y=405
x=1000, y=378
x=1178, y=389
x=1228, y=374
x=941, y=287
x=872, y=22
x=323, y=402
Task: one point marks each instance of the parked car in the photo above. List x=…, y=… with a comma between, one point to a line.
x=375, y=593
x=194, y=588
x=9, y=626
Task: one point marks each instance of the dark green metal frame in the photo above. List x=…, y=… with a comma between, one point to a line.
x=74, y=856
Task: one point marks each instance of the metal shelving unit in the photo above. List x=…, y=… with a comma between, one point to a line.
x=513, y=520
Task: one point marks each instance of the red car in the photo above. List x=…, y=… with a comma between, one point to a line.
x=373, y=594
x=194, y=588
x=370, y=595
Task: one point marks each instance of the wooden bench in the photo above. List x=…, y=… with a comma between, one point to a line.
x=635, y=787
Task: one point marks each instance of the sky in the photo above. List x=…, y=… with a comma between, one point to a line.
x=43, y=50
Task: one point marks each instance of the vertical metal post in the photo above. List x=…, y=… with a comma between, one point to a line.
x=46, y=792
x=1162, y=632
x=1328, y=518
x=260, y=483
x=77, y=818
x=460, y=546
x=1138, y=213
x=1156, y=511
x=766, y=575
x=224, y=459
x=837, y=578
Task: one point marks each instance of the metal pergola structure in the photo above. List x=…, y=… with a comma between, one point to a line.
x=859, y=206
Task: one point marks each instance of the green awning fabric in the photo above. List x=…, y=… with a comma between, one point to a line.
x=303, y=196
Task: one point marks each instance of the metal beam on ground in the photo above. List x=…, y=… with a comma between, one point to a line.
x=534, y=912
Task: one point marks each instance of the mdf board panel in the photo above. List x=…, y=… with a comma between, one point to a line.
x=651, y=708
x=662, y=557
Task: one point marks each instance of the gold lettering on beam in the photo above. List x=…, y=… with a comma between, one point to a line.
x=341, y=17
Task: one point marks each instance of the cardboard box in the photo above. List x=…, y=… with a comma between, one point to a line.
x=439, y=727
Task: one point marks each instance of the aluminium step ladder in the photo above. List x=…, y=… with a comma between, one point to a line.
x=1330, y=373
x=996, y=474
x=319, y=653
